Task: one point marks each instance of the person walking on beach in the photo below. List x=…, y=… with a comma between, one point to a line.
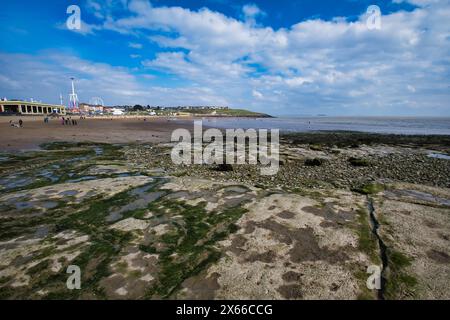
x=20, y=123
x=13, y=124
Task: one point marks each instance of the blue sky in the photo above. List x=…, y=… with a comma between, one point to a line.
x=280, y=57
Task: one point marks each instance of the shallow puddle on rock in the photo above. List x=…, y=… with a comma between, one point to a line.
x=22, y=205
x=48, y=175
x=98, y=151
x=69, y=193
x=140, y=190
x=419, y=195
x=13, y=182
x=113, y=216
x=438, y=156
x=140, y=203
x=128, y=174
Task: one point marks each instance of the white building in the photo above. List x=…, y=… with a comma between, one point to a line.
x=117, y=112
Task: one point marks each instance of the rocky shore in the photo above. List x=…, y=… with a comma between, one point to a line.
x=339, y=160
x=140, y=227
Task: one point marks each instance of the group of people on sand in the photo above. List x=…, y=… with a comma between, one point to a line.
x=68, y=121
x=64, y=121
x=18, y=124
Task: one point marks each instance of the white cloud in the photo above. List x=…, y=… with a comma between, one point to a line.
x=135, y=45
x=251, y=11
x=314, y=66
x=257, y=94
x=411, y=88
x=85, y=28
x=297, y=81
x=423, y=3
x=102, y=9
x=115, y=85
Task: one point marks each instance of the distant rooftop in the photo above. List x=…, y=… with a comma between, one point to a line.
x=29, y=103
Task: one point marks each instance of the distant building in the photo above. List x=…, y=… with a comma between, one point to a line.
x=117, y=112
x=31, y=108
x=90, y=109
x=108, y=110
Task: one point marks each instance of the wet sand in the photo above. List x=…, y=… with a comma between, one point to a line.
x=118, y=130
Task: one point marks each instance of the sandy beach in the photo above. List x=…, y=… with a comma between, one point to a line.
x=108, y=130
